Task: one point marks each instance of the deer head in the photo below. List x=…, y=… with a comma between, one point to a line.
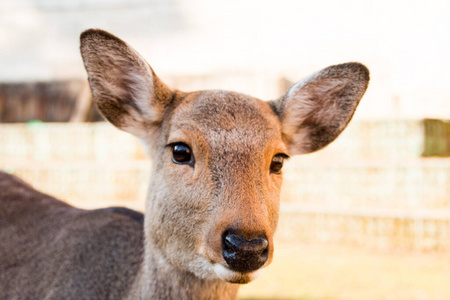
x=213, y=201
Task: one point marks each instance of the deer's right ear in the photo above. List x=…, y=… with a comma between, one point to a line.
x=124, y=87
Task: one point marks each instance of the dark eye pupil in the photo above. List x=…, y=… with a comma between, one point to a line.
x=277, y=164
x=181, y=153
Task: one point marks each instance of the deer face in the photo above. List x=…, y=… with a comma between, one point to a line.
x=213, y=201
x=219, y=187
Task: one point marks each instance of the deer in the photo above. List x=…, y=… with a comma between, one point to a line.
x=214, y=193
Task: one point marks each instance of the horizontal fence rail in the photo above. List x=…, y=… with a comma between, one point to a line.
x=384, y=230
x=372, y=187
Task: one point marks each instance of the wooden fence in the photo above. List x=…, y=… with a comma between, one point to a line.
x=53, y=101
x=384, y=230
x=354, y=192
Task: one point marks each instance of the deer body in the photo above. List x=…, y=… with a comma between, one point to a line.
x=213, y=201
x=51, y=247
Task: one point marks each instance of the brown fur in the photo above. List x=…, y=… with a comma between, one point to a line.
x=56, y=251
x=51, y=250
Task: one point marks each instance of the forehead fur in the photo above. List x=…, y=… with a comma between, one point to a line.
x=219, y=115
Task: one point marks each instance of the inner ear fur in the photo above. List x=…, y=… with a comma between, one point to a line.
x=124, y=87
x=317, y=109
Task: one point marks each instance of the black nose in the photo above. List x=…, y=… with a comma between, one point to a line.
x=243, y=254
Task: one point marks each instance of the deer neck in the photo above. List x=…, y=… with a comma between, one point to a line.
x=159, y=280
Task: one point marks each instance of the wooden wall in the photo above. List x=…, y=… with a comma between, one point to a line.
x=52, y=101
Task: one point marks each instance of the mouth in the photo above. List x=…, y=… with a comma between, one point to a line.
x=231, y=276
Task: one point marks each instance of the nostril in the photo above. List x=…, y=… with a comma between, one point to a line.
x=240, y=243
x=258, y=244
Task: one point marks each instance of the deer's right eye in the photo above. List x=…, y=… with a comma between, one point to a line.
x=181, y=154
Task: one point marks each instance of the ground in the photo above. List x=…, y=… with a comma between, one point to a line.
x=313, y=272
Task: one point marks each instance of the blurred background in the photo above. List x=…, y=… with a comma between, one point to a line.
x=366, y=218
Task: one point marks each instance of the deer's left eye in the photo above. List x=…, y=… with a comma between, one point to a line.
x=277, y=163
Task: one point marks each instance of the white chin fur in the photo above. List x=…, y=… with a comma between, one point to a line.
x=235, y=277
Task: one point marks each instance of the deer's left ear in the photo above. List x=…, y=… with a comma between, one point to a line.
x=317, y=109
